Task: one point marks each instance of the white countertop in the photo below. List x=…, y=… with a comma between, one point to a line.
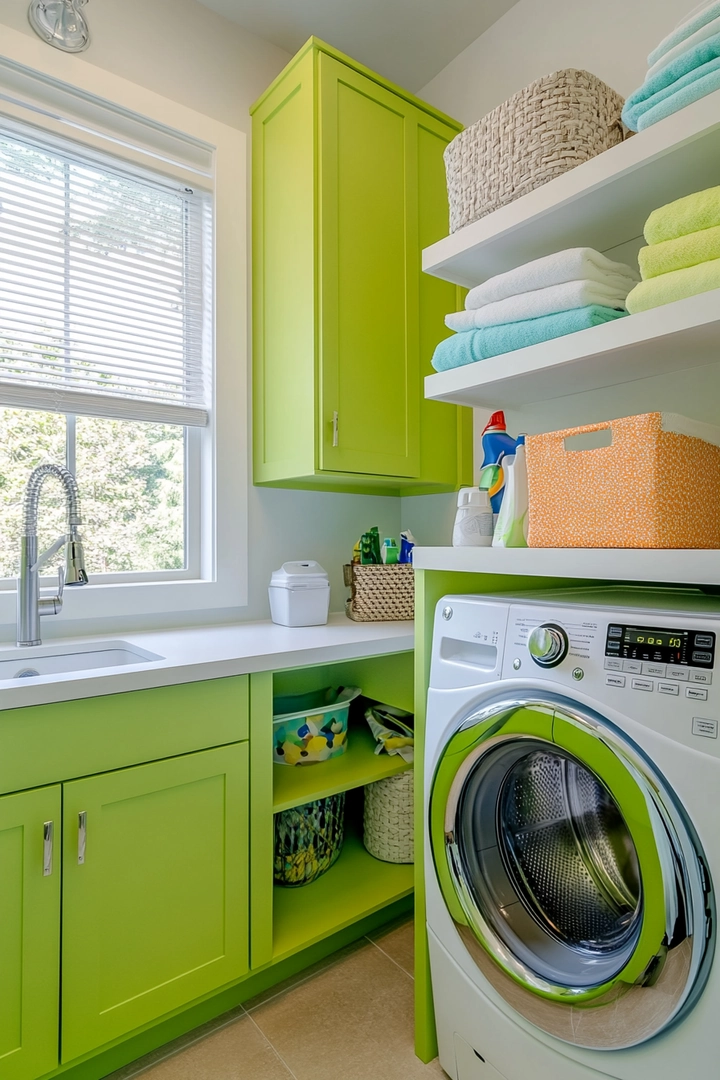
x=190, y=655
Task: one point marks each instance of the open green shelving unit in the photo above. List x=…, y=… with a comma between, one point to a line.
x=358, y=766
x=357, y=886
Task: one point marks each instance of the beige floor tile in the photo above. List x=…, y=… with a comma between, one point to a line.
x=398, y=942
x=236, y=1052
x=304, y=975
x=353, y=1021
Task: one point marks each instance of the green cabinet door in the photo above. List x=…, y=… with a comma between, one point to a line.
x=348, y=186
x=29, y=932
x=155, y=892
x=368, y=294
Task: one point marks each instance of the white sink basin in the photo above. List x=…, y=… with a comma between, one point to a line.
x=34, y=661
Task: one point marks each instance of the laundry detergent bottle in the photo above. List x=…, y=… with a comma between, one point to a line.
x=511, y=529
x=496, y=445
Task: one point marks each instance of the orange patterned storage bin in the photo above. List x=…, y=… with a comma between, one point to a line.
x=656, y=486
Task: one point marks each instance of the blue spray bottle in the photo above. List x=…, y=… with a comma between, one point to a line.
x=496, y=444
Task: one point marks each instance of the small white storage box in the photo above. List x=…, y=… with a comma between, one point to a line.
x=299, y=594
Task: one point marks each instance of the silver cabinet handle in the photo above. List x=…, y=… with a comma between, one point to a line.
x=336, y=437
x=48, y=834
x=82, y=836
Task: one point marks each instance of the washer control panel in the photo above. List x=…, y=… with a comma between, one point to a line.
x=661, y=646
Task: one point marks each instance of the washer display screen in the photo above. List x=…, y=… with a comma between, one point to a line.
x=693, y=648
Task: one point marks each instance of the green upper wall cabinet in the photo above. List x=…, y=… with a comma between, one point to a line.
x=30, y=824
x=348, y=187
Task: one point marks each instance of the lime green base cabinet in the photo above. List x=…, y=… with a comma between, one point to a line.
x=155, y=878
x=348, y=187
x=30, y=825
x=136, y=879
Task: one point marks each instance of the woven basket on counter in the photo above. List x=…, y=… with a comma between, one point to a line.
x=546, y=129
x=388, y=818
x=380, y=593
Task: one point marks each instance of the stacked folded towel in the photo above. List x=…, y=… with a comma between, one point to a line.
x=560, y=294
x=683, y=256
x=684, y=67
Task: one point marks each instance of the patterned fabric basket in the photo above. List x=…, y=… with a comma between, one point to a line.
x=542, y=131
x=388, y=819
x=308, y=840
x=380, y=593
x=656, y=485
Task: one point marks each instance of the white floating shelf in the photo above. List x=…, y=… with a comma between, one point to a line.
x=611, y=564
x=602, y=203
x=675, y=337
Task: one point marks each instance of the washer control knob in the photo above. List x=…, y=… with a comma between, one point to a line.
x=548, y=645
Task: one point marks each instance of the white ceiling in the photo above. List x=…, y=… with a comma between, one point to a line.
x=407, y=41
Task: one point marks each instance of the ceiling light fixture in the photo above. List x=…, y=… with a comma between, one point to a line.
x=60, y=23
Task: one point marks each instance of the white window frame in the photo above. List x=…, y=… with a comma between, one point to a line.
x=104, y=112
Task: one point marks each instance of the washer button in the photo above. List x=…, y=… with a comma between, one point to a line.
x=696, y=692
x=668, y=688
x=643, y=684
x=654, y=669
x=678, y=673
x=702, y=658
x=703, y=641
x=613, y=663
x=707, y=728
x=704, y=677
x=614, y=680
x=633, y=666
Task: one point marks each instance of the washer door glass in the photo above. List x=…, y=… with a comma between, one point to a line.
x=570, y=872
x=557, y=870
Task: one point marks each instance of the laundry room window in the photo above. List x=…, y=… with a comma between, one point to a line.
x=123, y=339
x=105, y=312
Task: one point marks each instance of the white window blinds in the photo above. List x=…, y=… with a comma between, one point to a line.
x=104, y=287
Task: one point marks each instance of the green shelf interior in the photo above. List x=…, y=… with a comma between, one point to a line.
x=356, y=886
x=294, y=785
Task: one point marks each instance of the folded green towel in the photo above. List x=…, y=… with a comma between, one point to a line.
x=677, y=254
x=472, y=345
x=688, y=75
x=677, y=285
x=695, y=212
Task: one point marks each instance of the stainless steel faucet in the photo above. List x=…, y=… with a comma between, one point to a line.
x=30, y=605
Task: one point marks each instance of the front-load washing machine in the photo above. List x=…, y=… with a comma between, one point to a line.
x=572, y=787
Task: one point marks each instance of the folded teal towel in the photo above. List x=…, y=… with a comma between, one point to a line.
x=472, y=345
x=696, y=21
x=706, y=81
x=691, y=76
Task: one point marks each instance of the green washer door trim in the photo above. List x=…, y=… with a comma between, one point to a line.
x=555, y=727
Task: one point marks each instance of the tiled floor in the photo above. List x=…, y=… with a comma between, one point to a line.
x=349, y=1018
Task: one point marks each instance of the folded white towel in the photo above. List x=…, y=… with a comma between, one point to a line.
x=709, y=30
x=573, y=264
x=538, y=302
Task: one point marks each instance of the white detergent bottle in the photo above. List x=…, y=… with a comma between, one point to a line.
x=512, y=523
x=473, y=520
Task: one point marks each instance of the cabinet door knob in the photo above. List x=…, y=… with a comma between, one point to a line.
x=48, y=834
x=82, y=836
x=336, y=437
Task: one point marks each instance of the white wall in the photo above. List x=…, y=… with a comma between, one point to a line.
x=178, y=48
x=610, y=38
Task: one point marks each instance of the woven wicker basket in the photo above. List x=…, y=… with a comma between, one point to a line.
x=380, y=593
x=542, y=131
x=388, y=819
